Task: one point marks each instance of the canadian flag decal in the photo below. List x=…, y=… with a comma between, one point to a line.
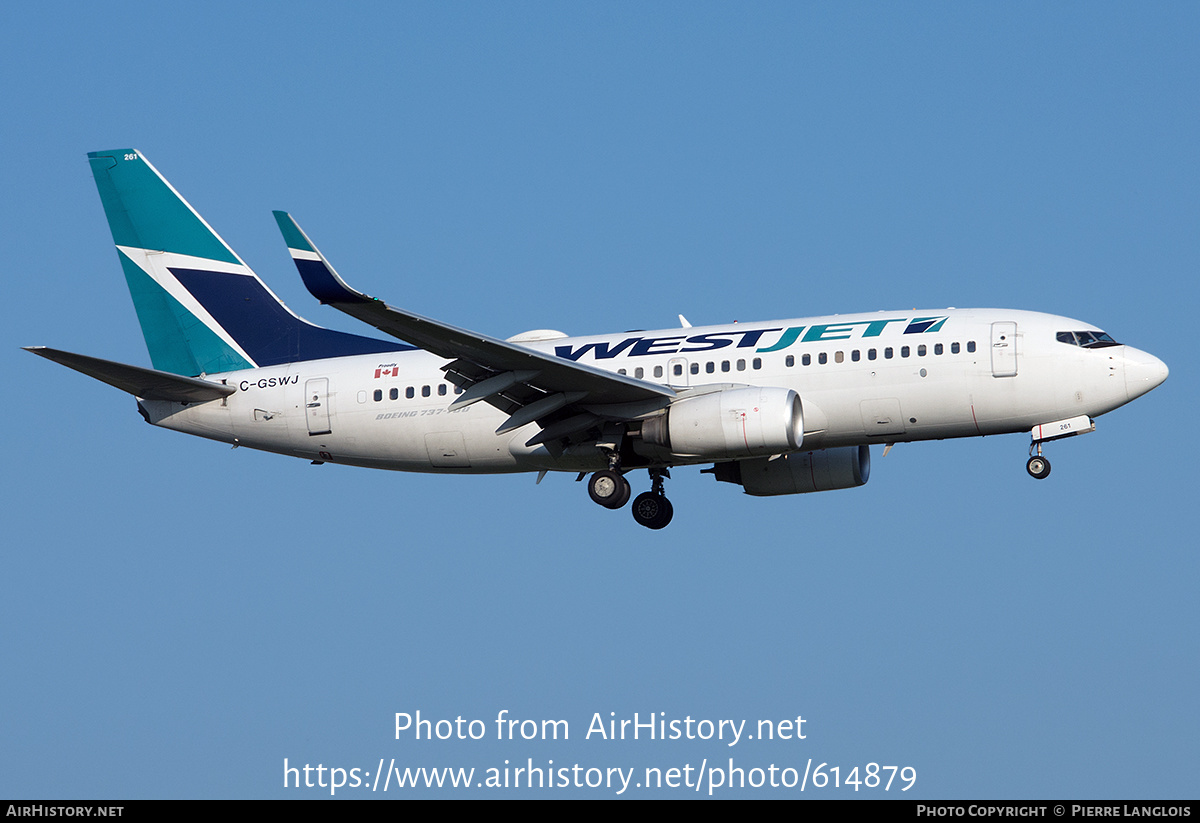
x=387, y=371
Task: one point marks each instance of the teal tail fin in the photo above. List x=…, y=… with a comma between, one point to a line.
x=202, y=310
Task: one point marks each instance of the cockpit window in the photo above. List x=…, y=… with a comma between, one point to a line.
x=1087, y=339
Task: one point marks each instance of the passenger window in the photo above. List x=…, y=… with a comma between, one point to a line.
x=789, y=361
x=855, y=356
x=678, y=370
x=724, y=365
x=378, y=395
x=394, y=394
x=921, y=350
x=639, y=372
x=741, y=365
x=695, y=368
x=838, y=357
x=954, y=348
x=822, y=358
x=870, y=354
x=710, y=367
x=887, y=353
x=904, y=351
x=620, y=371
x=970, y=345
x=806, y=359
x=441, y=390
x=937, y=348
x=757, y=363
x=658, y=371
x=424, y=391
x=410, y=393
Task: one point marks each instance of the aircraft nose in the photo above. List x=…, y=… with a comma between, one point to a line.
x=1143, y=372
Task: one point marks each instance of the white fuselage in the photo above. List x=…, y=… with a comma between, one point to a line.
x=869, y=378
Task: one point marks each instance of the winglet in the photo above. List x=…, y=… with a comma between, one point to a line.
x=320, y=278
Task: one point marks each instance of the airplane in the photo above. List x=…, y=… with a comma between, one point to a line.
x=778, y=407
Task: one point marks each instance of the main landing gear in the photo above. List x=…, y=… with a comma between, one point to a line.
x=609, y=488
x=651, y=509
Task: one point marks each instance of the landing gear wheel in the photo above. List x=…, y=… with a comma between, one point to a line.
x=609, y=489
x=626, y=493
x=1038, y=467
x=652, y=510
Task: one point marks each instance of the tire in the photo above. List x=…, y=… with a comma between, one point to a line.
x=1038, y=467
x=609, y=489
x=626, y=493
x=652, y=510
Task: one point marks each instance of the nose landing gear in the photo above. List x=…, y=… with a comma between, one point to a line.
x=1038, y=466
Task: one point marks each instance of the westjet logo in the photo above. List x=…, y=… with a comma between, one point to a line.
x=751, y=338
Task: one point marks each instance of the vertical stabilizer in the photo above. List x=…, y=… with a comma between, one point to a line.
x=202, y=310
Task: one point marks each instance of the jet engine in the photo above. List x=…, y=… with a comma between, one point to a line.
x=800, y=472
x=730, y=424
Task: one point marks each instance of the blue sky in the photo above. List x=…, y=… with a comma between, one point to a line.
x=179, y=618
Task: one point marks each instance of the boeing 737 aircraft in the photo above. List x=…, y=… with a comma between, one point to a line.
x=778, y=407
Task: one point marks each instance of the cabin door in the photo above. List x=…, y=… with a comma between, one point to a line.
x=1004, y=349
x=316, y=402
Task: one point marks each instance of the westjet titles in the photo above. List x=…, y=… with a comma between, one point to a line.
x=748, y=338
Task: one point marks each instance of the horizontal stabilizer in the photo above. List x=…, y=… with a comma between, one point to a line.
x=148, y=384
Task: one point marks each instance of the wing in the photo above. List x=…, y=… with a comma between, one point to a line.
x=562, y=396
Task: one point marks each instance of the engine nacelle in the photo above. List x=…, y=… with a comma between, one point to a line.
x=799, y=473
x=730, y=424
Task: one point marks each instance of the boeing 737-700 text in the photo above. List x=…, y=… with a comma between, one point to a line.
x=780, y=407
